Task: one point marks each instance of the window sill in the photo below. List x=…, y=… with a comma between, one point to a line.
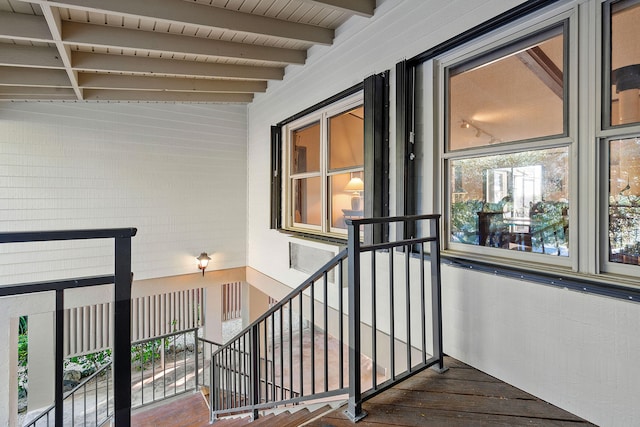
x=316, y=237
x=605, y=284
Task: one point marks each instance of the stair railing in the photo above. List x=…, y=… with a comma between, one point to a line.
x=121, y=279
x=94, y=398
x=390, y=312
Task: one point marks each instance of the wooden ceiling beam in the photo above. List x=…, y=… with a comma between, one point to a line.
x=109, y=81
x=123, y=38
x=543, y=68
x=85, y=61
x=357, y=7
x=29, y=56
x=185, y=13
x=165, y=96
x=52, y=16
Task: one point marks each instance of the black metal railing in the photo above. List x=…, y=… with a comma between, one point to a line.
x=163, y=367
x=88, y=403
x=313, y=337
x=122, y=302
x=205, y=349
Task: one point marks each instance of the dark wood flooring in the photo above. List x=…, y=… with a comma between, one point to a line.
x=462, y=396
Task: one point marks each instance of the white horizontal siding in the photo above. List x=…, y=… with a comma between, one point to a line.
x=175, y=172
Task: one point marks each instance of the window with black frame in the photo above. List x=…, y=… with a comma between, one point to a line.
x=329, y=163
x=507, y=146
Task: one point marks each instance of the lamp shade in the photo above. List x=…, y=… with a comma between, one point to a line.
x=203, y=261
x=355, y=184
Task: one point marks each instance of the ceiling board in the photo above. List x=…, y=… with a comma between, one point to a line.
x=191, y=47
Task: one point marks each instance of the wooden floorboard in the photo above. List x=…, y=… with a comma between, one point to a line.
x=462, y=396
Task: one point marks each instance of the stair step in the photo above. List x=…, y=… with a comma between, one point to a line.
x=301, y=416
x=267, y=420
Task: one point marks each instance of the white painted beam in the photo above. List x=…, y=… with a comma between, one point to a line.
x=18, y=26
x=84, y=61
x=356, y=7
x=166, y=96
x=29, y=56
x=16, y=76
x=186, y=13
x=110, y=81
x=52, y=16
x=119, y=38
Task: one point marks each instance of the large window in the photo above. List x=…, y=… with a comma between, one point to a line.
x=507, y=145
x=326, y=167
x=621, y=133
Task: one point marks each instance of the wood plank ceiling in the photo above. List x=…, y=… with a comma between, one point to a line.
x=220, y=51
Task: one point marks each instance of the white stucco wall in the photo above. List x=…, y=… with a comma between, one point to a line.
x=574, y=350
x=175, y=172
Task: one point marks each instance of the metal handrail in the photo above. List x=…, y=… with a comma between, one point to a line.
x=71, y=392
x=236, y=369
x=82, y=385
x=121, y=278
x=240, y=383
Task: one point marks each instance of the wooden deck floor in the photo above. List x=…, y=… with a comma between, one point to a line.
x=462, y=396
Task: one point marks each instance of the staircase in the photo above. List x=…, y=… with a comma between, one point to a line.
x=373, y=301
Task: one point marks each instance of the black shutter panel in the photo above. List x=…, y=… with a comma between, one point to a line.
x=276, y=177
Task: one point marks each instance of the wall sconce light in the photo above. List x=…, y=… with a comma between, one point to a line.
x=356, y=186
x=203, y=261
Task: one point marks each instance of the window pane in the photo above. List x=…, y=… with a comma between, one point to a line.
x=624, y=201
x=625, y=63
x=512, y=96
x=512, y=201
x=305, y=149
x=346, y=139
x=347, y=198
x=307, y=201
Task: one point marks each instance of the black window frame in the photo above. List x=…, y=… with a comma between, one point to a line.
x=376, y=156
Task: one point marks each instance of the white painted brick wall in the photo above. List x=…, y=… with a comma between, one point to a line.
x=176, y=172
x=570, y=349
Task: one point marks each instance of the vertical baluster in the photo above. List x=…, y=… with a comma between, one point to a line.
x=255, y=361
x=281, y=357
x=184, y=359
x=153, y=369
x=175, y=366
x=96, y=395
x=273, y=357
x=392, y=336
x=422, y=306
x=407, y=255
x=301, y=333
x=266, y=361
x=291, y=348
x=84, y=402
x=374, y=327
x=326, y=330
x=313, y=338
x=340, y=322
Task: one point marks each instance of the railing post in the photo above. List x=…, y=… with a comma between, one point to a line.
x=436, y=294
x=122, y=338
x=197, y=347
x=59, y=355
x=255, y=361
x=214, y=398
x=354, y=408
